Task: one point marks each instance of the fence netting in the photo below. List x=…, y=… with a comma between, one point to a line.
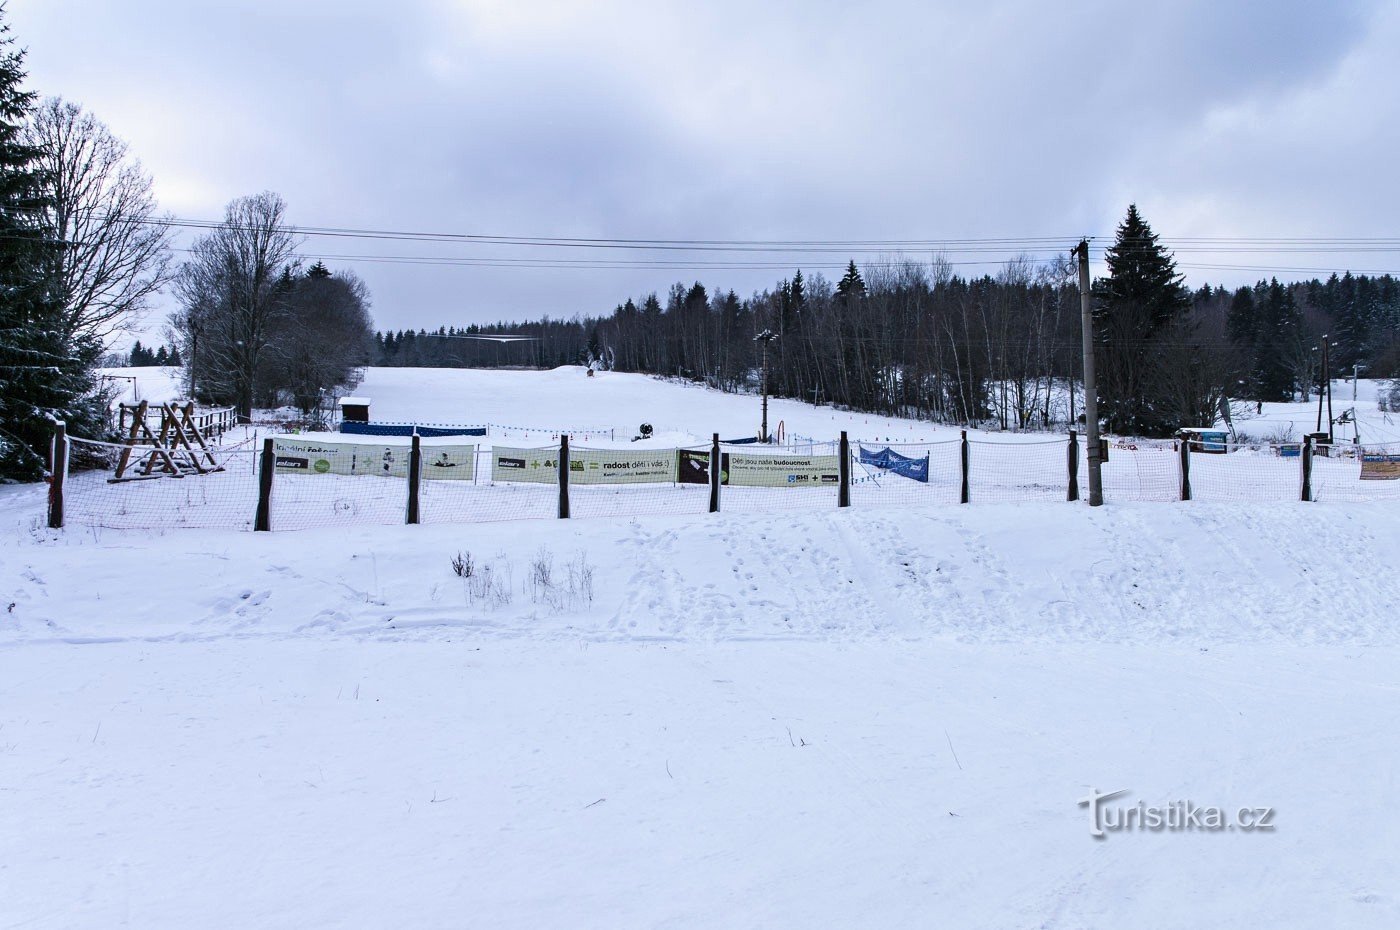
x=1137, y=471
x=351, y=487
x=224, y=496
x=1357, y=473
x=320, y=483
x=1254, y=472
x=486, y=497
x=1004, y=472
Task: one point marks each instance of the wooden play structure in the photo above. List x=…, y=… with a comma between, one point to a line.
x=178, y=448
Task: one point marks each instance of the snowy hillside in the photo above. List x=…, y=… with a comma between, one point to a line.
x=546, y=401
x=869, y=717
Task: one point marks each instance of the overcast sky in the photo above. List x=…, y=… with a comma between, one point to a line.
x=742, y=121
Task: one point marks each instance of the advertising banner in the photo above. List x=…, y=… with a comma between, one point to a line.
x=622, y=466
x=537, y=465
x=889, y=460
x=312, y=457
x=693, y=467
x=784, y=471
x=1380, y=467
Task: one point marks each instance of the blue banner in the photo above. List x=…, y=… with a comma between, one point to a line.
x=406, y=429
x=889, y=460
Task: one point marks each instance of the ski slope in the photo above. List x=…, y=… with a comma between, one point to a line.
x=879, y=717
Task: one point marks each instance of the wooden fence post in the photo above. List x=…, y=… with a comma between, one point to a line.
x=415, y=475
x=1306, y=454
x=58, y=471
x=563, y=476
x=966, y=465
x=262, y=521
x=843, y=494
x=1073, y=466
x=715, y=462
x=1185, y=451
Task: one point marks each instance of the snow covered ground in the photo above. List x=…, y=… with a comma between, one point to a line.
x=878, y=717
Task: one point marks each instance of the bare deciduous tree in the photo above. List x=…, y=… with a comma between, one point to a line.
x=231, y=298
x=116, y=251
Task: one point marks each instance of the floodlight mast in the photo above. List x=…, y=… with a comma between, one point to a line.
x=764, y=338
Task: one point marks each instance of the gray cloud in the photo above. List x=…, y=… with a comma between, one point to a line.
x=750, y=121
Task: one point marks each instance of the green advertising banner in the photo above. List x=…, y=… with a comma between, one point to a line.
x=312, y=457
x=783, y=471
x=622, y=466
x=537, y=465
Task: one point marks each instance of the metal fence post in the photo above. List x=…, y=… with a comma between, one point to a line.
x=262, y=521
x=563, y=476
x=714, y=473
x=415, y=475
x=1185, y=451
x=843, y=493
x=966, y=464
x=58, y=471
x=1073, y=455
x=1307, y=460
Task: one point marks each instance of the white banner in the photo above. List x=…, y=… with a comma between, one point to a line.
x=622, y=466
x=313, y=457
x=784, y=471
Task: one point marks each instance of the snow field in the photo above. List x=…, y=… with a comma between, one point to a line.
x=828, y=719
x=882, y=716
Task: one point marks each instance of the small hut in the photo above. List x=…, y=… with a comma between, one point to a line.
x=354, y=409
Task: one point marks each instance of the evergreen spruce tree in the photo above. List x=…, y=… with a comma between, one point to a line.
x=798, y=293
x=851, y=287
x=138, y=355
x=43, y=376
x=318, y=271
x=175, y=357
x=1134, y=307
x=1279, y=333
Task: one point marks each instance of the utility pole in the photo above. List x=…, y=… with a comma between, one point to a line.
x=1322, y=386
x=765, y=337
x=1091, y=387
x=1328, y=370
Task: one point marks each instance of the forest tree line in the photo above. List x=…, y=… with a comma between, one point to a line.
x=915, y=339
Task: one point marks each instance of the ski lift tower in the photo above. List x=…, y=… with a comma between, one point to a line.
x=764, y=338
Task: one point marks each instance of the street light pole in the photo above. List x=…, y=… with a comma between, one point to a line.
x=764, y=338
